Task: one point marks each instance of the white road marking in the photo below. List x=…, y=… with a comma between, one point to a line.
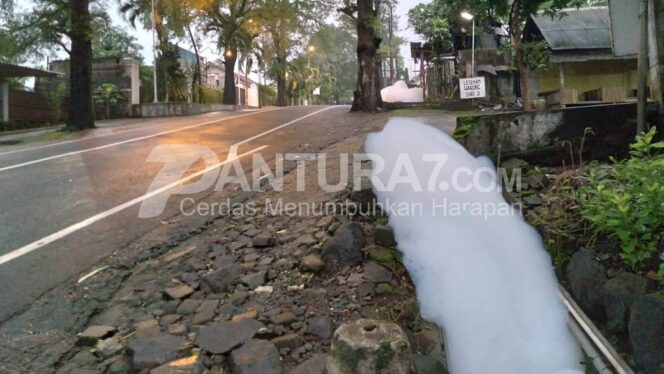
x=15, y=166
x=51, y=145
x=234, y=147
x=128, y=128
x=98, y=217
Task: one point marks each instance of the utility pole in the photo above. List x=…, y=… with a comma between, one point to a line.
x=154, y=55
x=391, y=35
x=657, y=19
x=642, y=104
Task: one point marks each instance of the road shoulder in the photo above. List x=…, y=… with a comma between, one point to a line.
x=160, y=285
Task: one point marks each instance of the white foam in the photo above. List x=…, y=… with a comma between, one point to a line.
x=399, y=92
x=487, y=281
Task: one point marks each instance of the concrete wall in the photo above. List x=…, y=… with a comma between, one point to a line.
x=499, y=86
x=176, y=109
x=131, y=70
x=542, y=136
x=253, y=96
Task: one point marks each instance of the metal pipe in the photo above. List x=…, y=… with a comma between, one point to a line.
x=588, y=348
x=594, y=334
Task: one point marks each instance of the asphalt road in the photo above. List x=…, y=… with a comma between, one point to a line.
x=64, y=206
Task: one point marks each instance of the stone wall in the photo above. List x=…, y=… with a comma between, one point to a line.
x=122, y=72
x=176, y=109
x=545, y=137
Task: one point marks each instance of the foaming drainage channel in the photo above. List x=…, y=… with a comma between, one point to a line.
x=499, y=290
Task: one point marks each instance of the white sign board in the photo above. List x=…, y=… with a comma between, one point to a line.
x=472, y=88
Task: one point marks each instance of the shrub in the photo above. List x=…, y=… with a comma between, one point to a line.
x=465, y=128
x=211, y=95
x=54, y=99
x=107, y=94
x=624, y=200
x=268, y=95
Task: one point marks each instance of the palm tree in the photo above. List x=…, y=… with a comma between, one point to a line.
x=279, y=19
x=235, y=28
x=287, y=22
x=171, y=16
x=107, y=94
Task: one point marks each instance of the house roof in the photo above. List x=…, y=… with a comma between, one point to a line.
x=585, y=28
x=17, y=71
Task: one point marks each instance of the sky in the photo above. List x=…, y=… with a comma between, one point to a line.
x=407, y=33
x=144, y=36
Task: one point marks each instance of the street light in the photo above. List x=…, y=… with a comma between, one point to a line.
x=469, y=17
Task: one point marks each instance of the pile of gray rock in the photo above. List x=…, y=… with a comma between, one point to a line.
x=615, y=299
x=256, y=295
x=621, y=301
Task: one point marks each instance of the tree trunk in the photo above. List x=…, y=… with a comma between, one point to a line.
x=230, y=57
x=196, y=79
x=162, y=70
x=81, y=114
x=367, y=94
x=108, y=110
x=282, y=97
x=515, y=34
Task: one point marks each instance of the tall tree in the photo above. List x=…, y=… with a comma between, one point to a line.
x=81, y=109
x=439, y=21
x=183, y=17
x=141, y=11
x=520, y=11
x=286, y=25
x=365, y=13
x=229, y=19
x=67, y=24
x=333, y=53
x=389, y=48
x=113, y=41
x=279, y=19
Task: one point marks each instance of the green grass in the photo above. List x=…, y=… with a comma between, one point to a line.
x=425, y=112
x=415, y=112
x=43, y=137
